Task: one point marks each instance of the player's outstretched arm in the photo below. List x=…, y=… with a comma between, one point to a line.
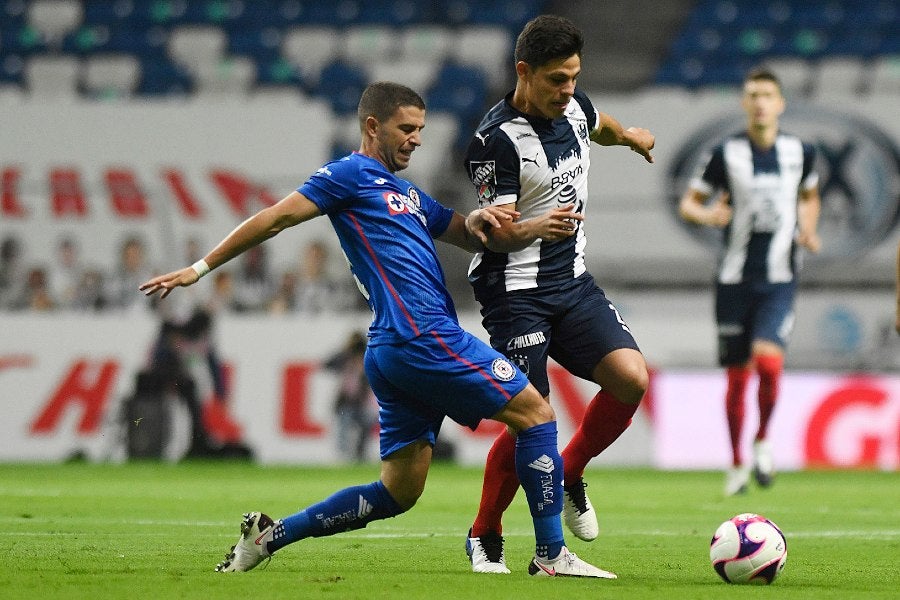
x=291, y=210
x=693, y=209
x=609, y=132
x=469, y=232
x=513, y=235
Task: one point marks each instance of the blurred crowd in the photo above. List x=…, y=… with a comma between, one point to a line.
x=248, y=285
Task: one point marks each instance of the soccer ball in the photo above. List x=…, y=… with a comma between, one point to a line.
x=748, y=548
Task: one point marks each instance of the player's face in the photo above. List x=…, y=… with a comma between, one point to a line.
x=549, y=87
x=399, y=136
x=763, y=103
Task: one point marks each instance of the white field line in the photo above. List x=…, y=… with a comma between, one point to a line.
x=227, y=527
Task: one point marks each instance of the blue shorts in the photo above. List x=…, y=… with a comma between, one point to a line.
x=752, y=311
x=575, y=325
x=440, y=373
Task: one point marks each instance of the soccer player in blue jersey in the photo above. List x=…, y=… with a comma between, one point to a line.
x=531, y=154
x=761, y=187
x=420, y=363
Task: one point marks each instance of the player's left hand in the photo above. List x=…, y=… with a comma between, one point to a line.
x=168, y=282
x=810, y=241
x=489, y=216
x=641, y=141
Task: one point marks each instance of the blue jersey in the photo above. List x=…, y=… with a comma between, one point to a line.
x=763, y=185
x=539, y=164
x=386, y=227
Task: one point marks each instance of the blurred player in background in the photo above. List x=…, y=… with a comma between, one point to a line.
x=764, y=192
x=420, y=363
x=531, y=154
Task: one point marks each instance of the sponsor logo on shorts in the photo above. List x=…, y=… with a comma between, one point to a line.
x=502, y=369
x=527, y=340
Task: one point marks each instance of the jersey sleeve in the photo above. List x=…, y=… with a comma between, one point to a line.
x=436, y=214
x=492, y=163
x=810, y=177
x=332, y=187
x=711, y=175
x=592, y=114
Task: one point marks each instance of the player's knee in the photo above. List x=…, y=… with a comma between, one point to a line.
x=527, y=409
x=406, y=495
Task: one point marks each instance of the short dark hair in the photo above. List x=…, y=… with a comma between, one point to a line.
x=546, y=38
x=382, y=99
x=762, y=74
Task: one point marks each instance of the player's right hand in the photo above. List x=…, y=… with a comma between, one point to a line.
x=168, y=282
x=558, y=223
x=719, y=213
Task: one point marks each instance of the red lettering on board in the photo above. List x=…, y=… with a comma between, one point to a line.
x=87, y=384
x=295, y=419
x=66, y=194
x=125, y=194
x=10, y=206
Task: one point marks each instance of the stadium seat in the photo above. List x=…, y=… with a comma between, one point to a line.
x=418, y=75
x=885, y=76
x=487, y=48
x=429, y=43
x=839, y=77
x=54, y=18
x=341, y=85
x=459, y=90
x=52, y=76
x=160, y=77
x=797, y=75
x=394, y=12
x=21, y=39
x=310, y=48
x=110, y=75
x=228, y=76
x=193, y=45
x=364, y=43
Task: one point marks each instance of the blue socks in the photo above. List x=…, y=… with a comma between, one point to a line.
x=346, y=510
x=540, y=470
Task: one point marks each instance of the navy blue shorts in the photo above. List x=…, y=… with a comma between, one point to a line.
x=447, y=373
x=575, y=325
x=752, y=311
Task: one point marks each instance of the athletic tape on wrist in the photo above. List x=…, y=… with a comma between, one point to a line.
x=200, y=267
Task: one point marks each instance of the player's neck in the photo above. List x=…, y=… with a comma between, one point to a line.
x=763, y=137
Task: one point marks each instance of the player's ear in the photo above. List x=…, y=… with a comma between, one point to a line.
x=371, y=127
x=522, y=69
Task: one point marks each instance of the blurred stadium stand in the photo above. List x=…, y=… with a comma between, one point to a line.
x=122, y=48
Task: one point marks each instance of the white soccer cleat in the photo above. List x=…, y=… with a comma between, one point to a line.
x=578, y=512
x=250, y=549
x=566, y=565
x=763, y=469
x=736, y=479
x=486, y=553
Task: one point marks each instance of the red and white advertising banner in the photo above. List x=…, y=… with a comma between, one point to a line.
x=821, y=420
x=63, y=381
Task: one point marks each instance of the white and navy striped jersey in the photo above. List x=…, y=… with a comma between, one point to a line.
x=764, y=186
x=538, y=164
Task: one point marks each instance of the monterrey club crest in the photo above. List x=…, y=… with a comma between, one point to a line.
x=502, y=369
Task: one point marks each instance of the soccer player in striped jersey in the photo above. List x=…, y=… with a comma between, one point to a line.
x=531, y=154
x=420, y=363
x=761, y=187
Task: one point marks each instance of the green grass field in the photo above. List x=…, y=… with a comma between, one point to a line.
x=152, y=530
